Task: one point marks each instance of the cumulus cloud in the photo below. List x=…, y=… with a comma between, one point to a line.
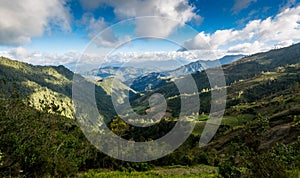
x=93, y=25
x=177, y=10
x=97, y=29
x=256, y=36
x=21, y=20
x=200, y=41
x=241, y=4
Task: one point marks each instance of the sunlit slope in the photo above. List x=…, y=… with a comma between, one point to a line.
x=47, y=88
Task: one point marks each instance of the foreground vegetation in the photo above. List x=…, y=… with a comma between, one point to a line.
x=198, y=171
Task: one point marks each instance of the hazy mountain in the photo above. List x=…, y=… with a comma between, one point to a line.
x=123, y=73
x=230, y=58
x=132, y=69
x=147, y=82
x=201, y=65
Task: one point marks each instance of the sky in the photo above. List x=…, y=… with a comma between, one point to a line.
x=73, y=32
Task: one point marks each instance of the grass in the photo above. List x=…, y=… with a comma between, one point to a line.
x=294, y=173
x=232, y=121
x=203, y=117
x=199, y=126
x=199, y=171
x=238, y=120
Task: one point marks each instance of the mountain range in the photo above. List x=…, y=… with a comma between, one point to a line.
x=141, y=79
x=128, y=72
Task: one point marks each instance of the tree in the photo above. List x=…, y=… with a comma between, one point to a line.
x=119, y=127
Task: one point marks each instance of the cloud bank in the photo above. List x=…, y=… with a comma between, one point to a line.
x=39, y=58
x=92, y=61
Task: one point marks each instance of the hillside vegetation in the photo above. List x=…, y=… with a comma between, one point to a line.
x=46, y=87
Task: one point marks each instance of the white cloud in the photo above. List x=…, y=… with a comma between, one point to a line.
x=21, y=20
x=192, y=55
x=99, y=32
x=93, y=25
x=200, y=41
x=39, y=58
x=284, y=43
x=244, y=48
x=178, y=10
x=256, y=36
x=155, y=27
x=241, y=4
x=90, y=61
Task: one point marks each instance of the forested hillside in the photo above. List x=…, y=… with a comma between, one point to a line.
x=46, y=88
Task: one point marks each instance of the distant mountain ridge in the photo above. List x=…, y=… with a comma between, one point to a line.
x=129, y=72
x=201, y=65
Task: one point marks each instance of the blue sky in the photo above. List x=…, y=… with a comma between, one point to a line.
x=59, y=31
